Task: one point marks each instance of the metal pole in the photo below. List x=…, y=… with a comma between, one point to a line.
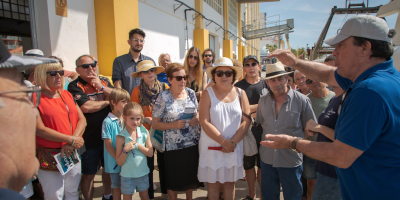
x=33, y=24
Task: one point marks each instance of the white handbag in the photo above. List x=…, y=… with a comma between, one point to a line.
x=249, y=142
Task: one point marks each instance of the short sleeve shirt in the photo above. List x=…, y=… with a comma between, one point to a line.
x=112, y=126
x=369, y=120
x=292, y=119
x=170, y=110
x=254, y=93
x=83, y=92
x=123, y=66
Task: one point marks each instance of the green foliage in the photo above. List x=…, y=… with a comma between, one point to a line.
x=271, y=48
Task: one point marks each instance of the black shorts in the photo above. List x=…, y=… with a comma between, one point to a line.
x=92, y=159
x=249, y=162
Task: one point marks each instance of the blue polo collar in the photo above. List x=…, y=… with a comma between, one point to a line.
x=385, y=66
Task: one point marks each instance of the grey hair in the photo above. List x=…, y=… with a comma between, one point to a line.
x=162, y=55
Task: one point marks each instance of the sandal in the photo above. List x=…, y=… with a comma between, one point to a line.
x=248, y=198
x=220, y=196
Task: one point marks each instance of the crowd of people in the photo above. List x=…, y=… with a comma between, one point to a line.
x=334, y=124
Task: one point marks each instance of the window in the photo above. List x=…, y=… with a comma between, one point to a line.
x=15, y=9
x=217, y=5
x=212, y=42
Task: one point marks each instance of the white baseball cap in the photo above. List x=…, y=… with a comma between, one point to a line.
x=366, y=26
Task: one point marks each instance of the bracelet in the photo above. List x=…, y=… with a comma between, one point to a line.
x=223, y=141
x=234, y=143
x=73, y=141
x=102, y=88
x=124, y=152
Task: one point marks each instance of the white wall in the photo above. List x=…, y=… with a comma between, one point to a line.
x=66, y=37
x=165, y=29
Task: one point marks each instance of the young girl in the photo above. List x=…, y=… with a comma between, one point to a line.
x=133, y=144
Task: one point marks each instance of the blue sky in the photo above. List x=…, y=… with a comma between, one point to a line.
x=310, y=17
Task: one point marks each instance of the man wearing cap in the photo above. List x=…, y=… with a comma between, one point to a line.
x=18, y=115
x=282, y=111
x=366, y=149
x=126, y=64
x=255, y=87
x=90, y=91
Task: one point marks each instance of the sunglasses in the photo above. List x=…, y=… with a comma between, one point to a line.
x=85, y=66
x=207, y=55
x=150, y=70
x=252, y=64
x=138, y=40
x=179, y=78
x=54, y=73
x=221, y=73
x=309, y=81
x=195, y=57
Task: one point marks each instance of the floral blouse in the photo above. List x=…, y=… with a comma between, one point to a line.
x=170, y=110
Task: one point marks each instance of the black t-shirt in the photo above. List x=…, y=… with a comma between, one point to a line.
x=83, y=92
x=328, y=118
x=254, y=92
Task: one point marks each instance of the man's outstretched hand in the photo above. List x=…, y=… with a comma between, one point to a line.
x=278, y=141
x=285, y=56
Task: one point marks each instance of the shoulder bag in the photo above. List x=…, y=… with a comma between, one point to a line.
x=249, y=142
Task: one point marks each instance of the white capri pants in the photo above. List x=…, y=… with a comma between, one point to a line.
x=58, y=187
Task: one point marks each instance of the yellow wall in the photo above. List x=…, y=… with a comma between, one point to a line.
x=114, y=20
x=200, y=35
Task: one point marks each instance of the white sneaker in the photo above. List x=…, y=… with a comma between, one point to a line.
x=154, y=187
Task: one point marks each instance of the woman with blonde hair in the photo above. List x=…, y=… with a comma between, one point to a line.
x=60, y=126
x=197, y=77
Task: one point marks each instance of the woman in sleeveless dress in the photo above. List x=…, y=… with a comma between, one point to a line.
x=223, y=128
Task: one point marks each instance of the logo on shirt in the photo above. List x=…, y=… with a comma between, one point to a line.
x=77, y=97
x=329, y=113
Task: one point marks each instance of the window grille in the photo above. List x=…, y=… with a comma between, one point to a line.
x=15, y=9
x=217, y=5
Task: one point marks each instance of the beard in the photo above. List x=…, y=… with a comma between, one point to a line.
x=136, y=49
x=208, y=61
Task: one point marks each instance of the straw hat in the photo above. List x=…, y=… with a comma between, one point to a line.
x=224, y=62
x=275, y=70
x=145, y=65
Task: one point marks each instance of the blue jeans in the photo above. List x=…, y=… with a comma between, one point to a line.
x=273, y=177
x=326, y=188
x=309, y=168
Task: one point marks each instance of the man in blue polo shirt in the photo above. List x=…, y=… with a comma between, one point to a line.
x=366, y=149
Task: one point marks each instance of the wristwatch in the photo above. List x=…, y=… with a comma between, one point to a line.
x=294, y=143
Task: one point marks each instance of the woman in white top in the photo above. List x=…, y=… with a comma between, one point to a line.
x=223, y=128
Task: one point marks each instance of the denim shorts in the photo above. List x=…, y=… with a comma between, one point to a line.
x=115, y=180
x=128, y=185
x=309, y=168
x=92, y=159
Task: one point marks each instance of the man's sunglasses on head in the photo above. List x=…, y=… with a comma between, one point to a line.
x=93, y=65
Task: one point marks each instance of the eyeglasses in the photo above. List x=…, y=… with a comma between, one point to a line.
x=54, y=73
x=138, y=40
x=207, y=55
x=34, y=99
x=179, y=78
x=252, y=64
x=150, y=70
x=309, y=81
x=93, y=65
x=221, y=73
x=195, y=57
